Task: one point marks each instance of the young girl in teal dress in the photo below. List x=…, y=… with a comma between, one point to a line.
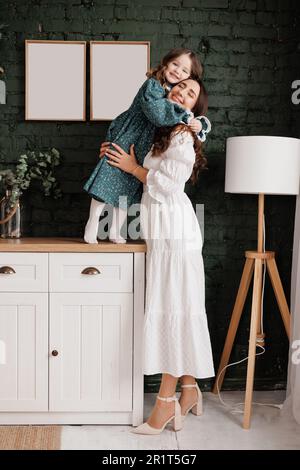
x=149, y=109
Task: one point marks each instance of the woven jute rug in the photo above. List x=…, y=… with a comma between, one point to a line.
x=30, y=437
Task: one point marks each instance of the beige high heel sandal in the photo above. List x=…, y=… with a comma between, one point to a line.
x=145, y=428
x=197, y=407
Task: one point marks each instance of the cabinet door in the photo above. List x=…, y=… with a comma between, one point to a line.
x=23, y=352
x=91, y=339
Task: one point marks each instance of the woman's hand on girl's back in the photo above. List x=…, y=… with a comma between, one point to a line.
x=103, y=149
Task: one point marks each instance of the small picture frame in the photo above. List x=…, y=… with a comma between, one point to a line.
x=117, y=71
x=55, y=80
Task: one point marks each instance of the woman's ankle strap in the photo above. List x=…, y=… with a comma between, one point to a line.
x=189, y=386
x=173, y=398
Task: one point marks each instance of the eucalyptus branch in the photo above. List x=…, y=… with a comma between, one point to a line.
x=32, y=165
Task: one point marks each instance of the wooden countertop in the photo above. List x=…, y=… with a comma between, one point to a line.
x=61, y=244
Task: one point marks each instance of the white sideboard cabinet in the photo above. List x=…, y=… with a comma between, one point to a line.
x=71, y=324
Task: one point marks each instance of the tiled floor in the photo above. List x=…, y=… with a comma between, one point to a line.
x=217, y=428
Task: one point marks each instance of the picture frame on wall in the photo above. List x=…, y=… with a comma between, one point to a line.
x=55, y=80
x=117, y=71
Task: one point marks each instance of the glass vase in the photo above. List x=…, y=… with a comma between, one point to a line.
x=11, y=228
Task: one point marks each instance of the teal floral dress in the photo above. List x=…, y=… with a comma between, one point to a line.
x=149, y=109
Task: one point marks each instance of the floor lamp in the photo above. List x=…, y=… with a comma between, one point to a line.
x=258, y=165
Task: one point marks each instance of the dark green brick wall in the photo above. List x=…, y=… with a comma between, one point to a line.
x=251, y=53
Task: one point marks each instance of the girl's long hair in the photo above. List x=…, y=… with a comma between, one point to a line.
x=163, y=135
x=159, y=71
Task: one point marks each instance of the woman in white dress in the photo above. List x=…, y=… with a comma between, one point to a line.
x=176, y=337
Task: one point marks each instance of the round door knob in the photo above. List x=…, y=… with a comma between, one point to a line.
x=54, y=352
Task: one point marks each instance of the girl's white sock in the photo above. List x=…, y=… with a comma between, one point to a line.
x=119, y=216
x=91, y=228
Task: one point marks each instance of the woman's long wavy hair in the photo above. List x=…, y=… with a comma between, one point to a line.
x=159, y=71
x=163, y=135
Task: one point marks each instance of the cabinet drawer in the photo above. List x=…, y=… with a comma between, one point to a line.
x=24, y=272
x=91, y=272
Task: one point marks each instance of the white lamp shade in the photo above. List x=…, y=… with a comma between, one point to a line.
x=262, y=164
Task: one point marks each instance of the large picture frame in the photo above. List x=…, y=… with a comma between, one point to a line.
x=55, y=80
x=117, y=71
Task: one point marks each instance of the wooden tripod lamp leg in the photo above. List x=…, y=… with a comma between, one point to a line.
x=255, y=314
x=235, y=319
x=279, y=294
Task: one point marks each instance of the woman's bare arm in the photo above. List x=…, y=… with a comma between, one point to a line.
x=140, y=173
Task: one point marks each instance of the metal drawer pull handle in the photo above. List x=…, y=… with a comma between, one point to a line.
x=90, y=270
x=7, y=270
x=54, y=353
